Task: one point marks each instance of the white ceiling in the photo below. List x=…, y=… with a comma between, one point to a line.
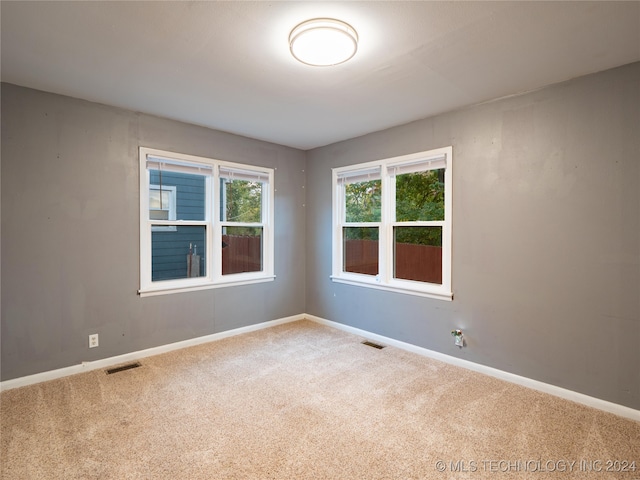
x=226, y=65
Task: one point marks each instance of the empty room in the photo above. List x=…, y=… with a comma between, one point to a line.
x=320, y=240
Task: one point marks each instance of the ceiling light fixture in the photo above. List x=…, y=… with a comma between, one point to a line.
x=323, y=42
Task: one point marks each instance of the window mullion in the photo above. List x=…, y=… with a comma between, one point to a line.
x=208, y=216
x=339, y=214
x=145, y=230
x=218, y=196
x=362, y=224
x=446, y=228
x=178, y=223
x=266, y=227
x=242, y=224
x=420, y=223
x=386, y=233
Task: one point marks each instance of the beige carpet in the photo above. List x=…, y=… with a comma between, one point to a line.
x=304, y=401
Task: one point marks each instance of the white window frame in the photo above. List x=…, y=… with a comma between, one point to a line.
x=213, y=259
x=437, y=158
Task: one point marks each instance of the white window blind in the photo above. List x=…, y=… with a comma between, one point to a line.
x=356, y=176
x=245, y=175
x=169, y=165
x=422, y=165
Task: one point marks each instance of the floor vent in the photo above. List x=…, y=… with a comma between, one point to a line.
x=374, y=345
x=122, y=368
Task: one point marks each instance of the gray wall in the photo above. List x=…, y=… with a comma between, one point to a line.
x=70, y=261
x=546, y=241
x=546, y=236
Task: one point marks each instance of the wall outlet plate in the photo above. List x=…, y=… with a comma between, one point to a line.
x=93, y=340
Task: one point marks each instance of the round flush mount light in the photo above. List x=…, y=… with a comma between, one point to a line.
x=323, y=42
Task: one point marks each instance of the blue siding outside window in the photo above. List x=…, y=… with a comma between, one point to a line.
x=171, y=248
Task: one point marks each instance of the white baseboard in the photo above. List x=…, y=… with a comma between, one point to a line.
x=129, y=357
x=581, y=398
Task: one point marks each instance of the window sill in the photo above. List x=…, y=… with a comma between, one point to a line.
x=438, y=295
x=162, y=290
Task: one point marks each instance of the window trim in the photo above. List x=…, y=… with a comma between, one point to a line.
x=385, y=280
x=213, y=277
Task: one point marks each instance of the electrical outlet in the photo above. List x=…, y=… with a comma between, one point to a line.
x=458, y=338
x=93, y=340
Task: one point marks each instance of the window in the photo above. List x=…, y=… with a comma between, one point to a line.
x=392, y=224
x=183, y=245
x=242, y=202
x=162, y=204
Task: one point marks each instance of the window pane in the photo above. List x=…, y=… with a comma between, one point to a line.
x=162, y=203
x=170, y=253
x=363, y=201
x=159, y=214
x=157, y=201
x=418, y=254
x=241, y=250
x=360, y=250
x=241, y=201
x=190, y=193
x=420, y=196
